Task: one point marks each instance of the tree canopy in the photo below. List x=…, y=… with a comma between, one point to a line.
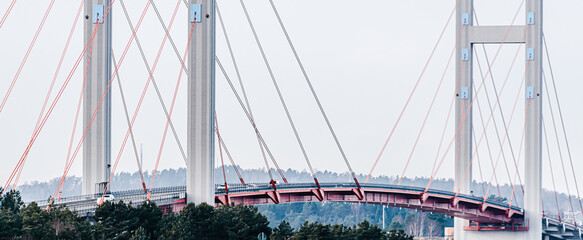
x=119, y=220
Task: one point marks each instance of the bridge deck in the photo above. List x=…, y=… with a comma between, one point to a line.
x=463, y=206
x=437, y=201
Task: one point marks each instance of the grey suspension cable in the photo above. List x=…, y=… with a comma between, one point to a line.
x=562, y=120
x=154, y=82
x=487, y=144
x=550, y=164
x=169, y=36
x=557, y=140
x=501, y=112
x=244, y=108
x=125, y=108
x=241, y=81
x=478, y=159
x=231, y=159
x=301, y=65
x=494, y=120
x=276, y=85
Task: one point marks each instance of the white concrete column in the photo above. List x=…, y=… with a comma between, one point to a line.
x=463, y=116
x=201, y=102
x=97, y=145
x=533, y=145
x=497, y=35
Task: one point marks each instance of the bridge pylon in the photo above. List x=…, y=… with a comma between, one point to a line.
x=97, y=68
x=529, y=34
x=201, y=102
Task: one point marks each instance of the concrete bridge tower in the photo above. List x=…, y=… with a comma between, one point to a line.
x=470, y=35
x=201, y=102
x=201, y=99
x=97, y=63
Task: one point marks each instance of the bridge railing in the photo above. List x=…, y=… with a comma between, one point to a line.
x=251, y=187
x=138, y=195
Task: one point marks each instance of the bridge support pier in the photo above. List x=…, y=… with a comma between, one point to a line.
x=463, y=116
x=469, y=35
x=533, y=128
x=97, y=63
x=201, y=102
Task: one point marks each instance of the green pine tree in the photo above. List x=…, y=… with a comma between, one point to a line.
x=140, y=234
x=313, y=231
x=282, y=232
x=36, y=223
x=367, y=231
x=398, y=234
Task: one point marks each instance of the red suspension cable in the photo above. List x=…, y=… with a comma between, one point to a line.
x=221, y=153
x=116, y=69
x=472, y=101
x=231, y=159
x=513, y=183
x=511, y=116
x=80, y=101
x=479, y=164
x=173, y=97
x=412, y=92
x=7, y=12
x=487, y=143
x=506, y=132
x=55, y=101
x=431, y=105
x=23, y=62
x=39, y=119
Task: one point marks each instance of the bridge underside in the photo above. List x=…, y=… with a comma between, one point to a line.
x=466, y=208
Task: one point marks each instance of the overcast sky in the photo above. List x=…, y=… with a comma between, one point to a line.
x=363, y=58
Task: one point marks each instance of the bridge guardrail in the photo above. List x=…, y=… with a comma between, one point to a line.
x=138, y=195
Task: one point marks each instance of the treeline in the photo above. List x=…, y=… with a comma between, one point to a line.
x=416, y=223
x=123, y=221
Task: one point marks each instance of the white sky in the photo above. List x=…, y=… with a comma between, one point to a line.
x=363, y=61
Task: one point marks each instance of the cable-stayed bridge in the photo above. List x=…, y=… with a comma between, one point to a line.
x=477, y=217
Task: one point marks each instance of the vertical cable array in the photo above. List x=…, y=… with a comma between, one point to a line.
x=499, y=109
x=102, y=99
x=261, y=146
x=309, y=82
x=63, y=54
x=431, y=106
x=57, y=97
x=562, y=120
x=466, y=112
x=127, y=115
x=275, y=84
x=175, y=92
x=412, y=92
x=154, y=83
x=551, y=168
x=251, y=121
